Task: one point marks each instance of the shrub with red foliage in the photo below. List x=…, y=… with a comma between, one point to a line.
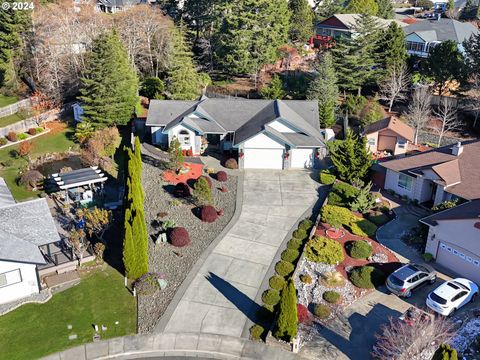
x=220, y=212
x=12, y=136
x=224, y=189
x=231, y=164
x=222, y=176
x=209, y=181
x=208, y=214
x=182, y=190
x=303, y=314
x=189, y=152
x=32, y=131
x=179, y=237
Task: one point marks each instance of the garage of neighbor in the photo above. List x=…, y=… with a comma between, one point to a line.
x=302, y=158
x=460, y=261
x=263, y=159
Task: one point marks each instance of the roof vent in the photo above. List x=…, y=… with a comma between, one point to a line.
x=457, y=149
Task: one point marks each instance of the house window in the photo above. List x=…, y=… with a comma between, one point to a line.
x=228, y=137
x=401, y=144
x=371, y=141
x=405, y=182
x=10, y=278
x=415, y=46
x=184, y=137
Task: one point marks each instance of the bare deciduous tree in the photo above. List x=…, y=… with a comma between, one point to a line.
x=474, y=99
x=419, y=110
x=447, y=120
x=395, y=85
x=400, y=340
x=79, y=243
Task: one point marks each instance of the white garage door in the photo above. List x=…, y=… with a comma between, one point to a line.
x=302, y=158
x=263, y=159
x=466, y=265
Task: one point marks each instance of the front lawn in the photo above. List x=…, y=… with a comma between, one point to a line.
x=12, y=119
x=35, y=330
x=7, y=100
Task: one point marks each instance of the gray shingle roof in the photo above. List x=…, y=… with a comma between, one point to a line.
x=6, y=197
x=445, y=29
x=23, y=228
x=469, y=210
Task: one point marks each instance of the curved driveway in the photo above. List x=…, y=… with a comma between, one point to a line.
x=220, y=298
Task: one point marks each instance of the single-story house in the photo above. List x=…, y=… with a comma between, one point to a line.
x=422, y=36
x=453, y=238
x=267, y=134
x=388, y=135
x=26, y=231
x=114, y=6
x=437, y=175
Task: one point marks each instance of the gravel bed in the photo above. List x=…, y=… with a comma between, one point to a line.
x=174, y=262
x=40, y=298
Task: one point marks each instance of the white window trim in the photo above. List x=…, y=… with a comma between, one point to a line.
x=13, y=283
x=405, y=187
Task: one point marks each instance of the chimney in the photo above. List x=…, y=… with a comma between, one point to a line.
x=457, y=149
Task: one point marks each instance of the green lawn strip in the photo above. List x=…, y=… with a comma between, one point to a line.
x=35, y=330
x=11, y=119
x=7, y=100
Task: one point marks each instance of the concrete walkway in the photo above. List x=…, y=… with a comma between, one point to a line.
x=219, y=300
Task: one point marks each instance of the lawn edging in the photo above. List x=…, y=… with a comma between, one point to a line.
x=5, y=309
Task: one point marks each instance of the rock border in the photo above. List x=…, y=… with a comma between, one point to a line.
x=32, y=299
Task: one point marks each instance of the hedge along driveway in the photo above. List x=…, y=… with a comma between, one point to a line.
x=220, y=299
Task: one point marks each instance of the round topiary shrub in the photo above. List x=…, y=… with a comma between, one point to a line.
x=322, y=311
x=290, y=255
x=208, y=214
x=231, y=164
x=294, y=244
x=12, y=136
x=300, y=234
x=284, y=268
x=222, y=176
x=276, y=282
x=367, y=277
x=323, y=250
x=22, y=136
x=3, y=141
x=305, y=225
x=361, y=250
x=179, y=237
x=182, y=190
x=209, y=181
x=256, y=332
x=271, y=297
x=331, y=297
x=32, y=131
x=306, y=279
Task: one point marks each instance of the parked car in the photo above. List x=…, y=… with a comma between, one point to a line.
x=410, y=276
x=452, y=295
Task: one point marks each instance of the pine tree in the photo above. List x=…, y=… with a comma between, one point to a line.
x=301, y=21
x=472, y=52
x=274, y=90
x=287, y=322
x=364, y=200
x=202, y=192
x=393, y=48
x=109, y=87
x=176, y=155
x=365, y=7
x=324, y=89
x=327, y=8
x=385, y=9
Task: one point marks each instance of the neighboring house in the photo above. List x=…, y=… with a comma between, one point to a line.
x=437, y=175
x=26, y=231
x=422, y=36
x=269, y=134
x=453, y=238
x=388, y=135
x=114, y=6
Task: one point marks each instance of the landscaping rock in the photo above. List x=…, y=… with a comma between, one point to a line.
x=378, y=258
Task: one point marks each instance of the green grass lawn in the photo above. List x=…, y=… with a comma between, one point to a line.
x=35, y=330
x=12, y=119
x=7, y=100
x=47, y=143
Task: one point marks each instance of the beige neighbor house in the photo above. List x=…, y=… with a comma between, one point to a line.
x=454, y=238
x=437, y=175
x=389, y=136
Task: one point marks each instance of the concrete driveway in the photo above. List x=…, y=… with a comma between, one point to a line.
x=219, y=299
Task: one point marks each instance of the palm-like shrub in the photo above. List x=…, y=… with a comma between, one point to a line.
x=333, y=278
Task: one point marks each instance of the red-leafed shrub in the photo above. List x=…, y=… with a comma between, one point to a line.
x=222, y=176
x=208, y=214
x=209, y=181
x=224, y=189
x=179, y=237
x=303, y=315
x=32, y=131
x=189, y=152
x=220, y=212
x=231, y=164
x=12, y=136
x=182, y=190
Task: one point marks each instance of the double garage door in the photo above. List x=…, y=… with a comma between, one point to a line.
x=273, y=158
x=459, y=261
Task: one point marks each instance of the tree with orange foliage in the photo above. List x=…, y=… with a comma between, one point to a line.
x=40, y=104
x=25, y=148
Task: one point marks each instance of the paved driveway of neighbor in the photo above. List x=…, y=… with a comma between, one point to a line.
x=219, y=300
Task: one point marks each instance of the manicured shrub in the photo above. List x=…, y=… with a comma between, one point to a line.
x=322, y=311
x=208, y=214
x=3, y=141
x=182, y=190
x=306, y=279
x=361, y=250
x=346, y=191
x=324, y=250
x=256, y=332
x=208, y=180
x=303, y=314
x=179, y=237
x=286, y=326
x=271, y=297
x=305, y=224
x=276, y=282
x=294, y=244
x=362, y=227
x=284, y=268
x=231, y=164
x=12, y=136
x=202, y=191
x=326, y=177
x=367, y=277
x=32, y=131
x=222, y=176
x=335, y=199
x=427, y=257
x=331, y=297
x=290, y=255
x=39, y=130
x=300, y=234
x=336, y=215
x=22, y=136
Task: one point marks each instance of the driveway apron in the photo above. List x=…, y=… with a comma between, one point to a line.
x=219, y=300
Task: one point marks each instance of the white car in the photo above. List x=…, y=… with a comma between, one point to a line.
x=452, y=295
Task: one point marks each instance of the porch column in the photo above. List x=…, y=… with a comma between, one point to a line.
x=439, y=194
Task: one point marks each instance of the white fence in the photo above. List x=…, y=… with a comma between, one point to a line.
x=14, y=108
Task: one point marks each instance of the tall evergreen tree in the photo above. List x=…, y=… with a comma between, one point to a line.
x=385, y=9
x=324, y=89
x=392, y=48
x=472, y=54
x=129, y=252
x=365, y=7
x=327, y=8
x=346, y=62
x=287, y=322
x=110, y=84
x=301, y=20
x=274, y=90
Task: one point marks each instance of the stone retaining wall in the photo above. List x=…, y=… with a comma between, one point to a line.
x=23, y=125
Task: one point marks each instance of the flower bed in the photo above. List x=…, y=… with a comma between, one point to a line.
x=193, y=173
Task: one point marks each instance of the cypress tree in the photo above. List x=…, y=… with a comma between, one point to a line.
x=129, y=252
x=324, y=89
x=140, y=236
x=287, y=322
x=109, y=86
x=301, y=20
